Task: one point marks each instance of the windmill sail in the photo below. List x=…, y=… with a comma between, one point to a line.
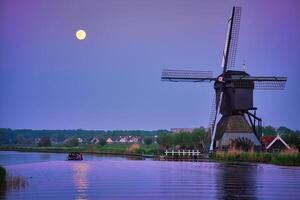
x=229, y=53
x=213, y=112
x=215, y=119
x=186, y=76
x=269, y=85
x=228, y=62
x=260, y=82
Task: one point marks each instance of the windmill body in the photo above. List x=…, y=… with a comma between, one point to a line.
x=237, y=95
x=234, y=120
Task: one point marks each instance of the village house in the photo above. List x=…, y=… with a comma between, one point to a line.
x=123, y=140
x=80, y=140
x=128, y=139
x=109, y=141
x=94, y=140
x=273, y=143
x=37, y=140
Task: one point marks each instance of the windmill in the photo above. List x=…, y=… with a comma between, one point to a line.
x=233, y=117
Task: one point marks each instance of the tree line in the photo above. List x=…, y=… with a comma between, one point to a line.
x=28, y=136
x=197, y=139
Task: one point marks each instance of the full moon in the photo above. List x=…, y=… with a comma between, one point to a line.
x=81, y=34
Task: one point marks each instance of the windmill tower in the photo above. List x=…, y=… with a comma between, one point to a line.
x=234, y=119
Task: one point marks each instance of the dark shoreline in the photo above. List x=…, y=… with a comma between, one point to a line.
x=41, y=150
x=272, y=158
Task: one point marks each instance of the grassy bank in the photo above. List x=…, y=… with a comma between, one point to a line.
x=282, y=158
x=118, y=149
x=2, y=177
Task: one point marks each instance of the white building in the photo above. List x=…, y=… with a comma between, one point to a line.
x=109, y=141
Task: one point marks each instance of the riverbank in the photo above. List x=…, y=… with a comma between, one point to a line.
x=152, y=151
x=109, y=149
x=281, y=158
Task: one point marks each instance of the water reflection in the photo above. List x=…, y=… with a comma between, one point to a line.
x=117, y=178
x=13, y=184
x=80, y=172
x=237, y=181
x=2, y=193
x=45, y=156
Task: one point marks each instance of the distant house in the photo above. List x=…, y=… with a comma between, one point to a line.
x=109, y=141
x=95, y=140
x=37, y=140
x=123, y=140
x=133, y=140
x=274, y=143
x=80, y=140
x=128, y=139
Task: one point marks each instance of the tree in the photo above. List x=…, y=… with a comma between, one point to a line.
x=284, y=130
x=60, y=137
x=71, y=142
x=102, y=142
x=3, y=139
x=148, y=140
x=201, y=139
x=269, y=130
x=292, y=139
x=45, y=141
x=165, y=140
x=21, y=139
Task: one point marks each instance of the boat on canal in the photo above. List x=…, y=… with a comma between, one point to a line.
x=75, y=156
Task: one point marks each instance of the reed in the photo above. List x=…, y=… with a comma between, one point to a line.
x=289, y=157
x=15, y=183
x=2, y=177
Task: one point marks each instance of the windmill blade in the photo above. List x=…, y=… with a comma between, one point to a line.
x=213, y=112
x=229, y=53
x=260, y=82
x=186, y=76
x=269, y=85
x=214, y=124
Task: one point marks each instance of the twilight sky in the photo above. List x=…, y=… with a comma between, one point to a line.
x=111, y=80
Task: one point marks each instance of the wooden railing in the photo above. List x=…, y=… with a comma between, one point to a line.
x=183, y=153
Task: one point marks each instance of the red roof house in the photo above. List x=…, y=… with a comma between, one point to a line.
x=274, y=143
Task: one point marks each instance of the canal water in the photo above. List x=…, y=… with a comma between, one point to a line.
x=50, y=176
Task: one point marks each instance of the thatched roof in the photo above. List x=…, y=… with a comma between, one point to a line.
x=233, y=124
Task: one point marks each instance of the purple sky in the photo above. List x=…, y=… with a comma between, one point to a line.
x=111, y=80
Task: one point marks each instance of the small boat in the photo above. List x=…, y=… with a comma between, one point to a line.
x=75, y=156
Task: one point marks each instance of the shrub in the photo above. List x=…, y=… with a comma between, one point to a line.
x=133, y=148
x=148, y=140
x=71, y=142
x=45, y=141
x=102, y=142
